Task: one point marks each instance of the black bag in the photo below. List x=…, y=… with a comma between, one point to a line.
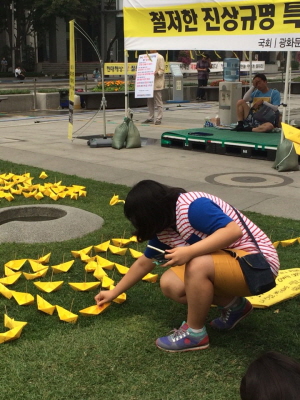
x=256, y=269
x=257, y=272
x=264, y=114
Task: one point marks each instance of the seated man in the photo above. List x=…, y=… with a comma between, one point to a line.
x=262, y=115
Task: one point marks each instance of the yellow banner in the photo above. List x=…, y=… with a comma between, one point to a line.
x=287, y=287
x=212, y=19
x=207, y=25
x=119, y=68
x=71, y=79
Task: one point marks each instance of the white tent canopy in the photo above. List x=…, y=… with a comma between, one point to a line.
x=213, y=25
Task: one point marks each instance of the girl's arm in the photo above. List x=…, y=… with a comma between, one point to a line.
x=141, y=267
x=220, y=239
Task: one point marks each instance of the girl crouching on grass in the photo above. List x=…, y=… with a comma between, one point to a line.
x=193, y=228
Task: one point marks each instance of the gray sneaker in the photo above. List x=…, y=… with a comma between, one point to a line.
x=148, y=121
x=157, y=122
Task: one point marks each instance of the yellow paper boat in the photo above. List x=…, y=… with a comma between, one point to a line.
x=15, y=264
x=150, y=278
x=119, y=242
x=91, y=266
x=94, y=310
x=117, y=250
x=11, y=279
x=84, y=286
x=121, y=298
x=115, y=200
x=44, y=259
x=23, y=299
x=10, y=335
x=99, y=273
x=36, y=266
x=41, y=273
x=102, y=247
x=76, y=188
x=5, y=292
x=107, y=282
x=43, y=175
x=65, y=315
x=64, y=267
x=49, y=287
x=135, y=253
x=44, y=306
x=133, y=239
x=8, y=271
x=86, y=250
x=104, y=263
x=86, y=258
x=11, y=323
x=39, y=196
x=122, y=269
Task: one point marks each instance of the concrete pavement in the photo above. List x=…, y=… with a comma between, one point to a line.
x=40, y=139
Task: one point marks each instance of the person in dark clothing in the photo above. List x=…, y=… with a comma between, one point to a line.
x=203, y=67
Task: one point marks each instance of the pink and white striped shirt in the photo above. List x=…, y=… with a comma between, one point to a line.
x=214, y=220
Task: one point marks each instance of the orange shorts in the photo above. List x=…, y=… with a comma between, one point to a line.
x=229, y=279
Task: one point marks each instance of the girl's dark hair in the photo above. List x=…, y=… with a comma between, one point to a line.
x=151, y=207
x=273, y=376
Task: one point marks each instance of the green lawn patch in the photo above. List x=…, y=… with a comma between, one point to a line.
x=113, y=355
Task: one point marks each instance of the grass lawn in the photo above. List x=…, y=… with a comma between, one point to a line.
x=112, y=355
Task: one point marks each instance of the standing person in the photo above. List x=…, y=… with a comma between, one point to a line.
x=159, y=84
x=192, y=228
x=203, y=67
x=259, y=96
x=96, y=74
x=19, y=74
x=272, y=376
x=3, y=65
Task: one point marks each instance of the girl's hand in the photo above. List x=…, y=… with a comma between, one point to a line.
x=105, y=296
x=177, y=256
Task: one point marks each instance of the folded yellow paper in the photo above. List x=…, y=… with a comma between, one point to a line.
x=5, y=292
x=64, y=267
x=102, y=247
x=122, y=269
x=94, y=310
x=84, y=286
x=99, y=273
x=23, y=299
x=44, y=306
x=49, y=287
x=65, y=315
x=104, y=263
x=119, y=242
x=117, y=250
x=135, y=253
x=41, y=273
x=11, y=279
x=15, y=264
x=150, y=278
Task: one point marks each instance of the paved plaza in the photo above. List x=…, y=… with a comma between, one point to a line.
x=40, y=139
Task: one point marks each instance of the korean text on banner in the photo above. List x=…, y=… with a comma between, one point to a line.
x=212, y=25
x=71, y=80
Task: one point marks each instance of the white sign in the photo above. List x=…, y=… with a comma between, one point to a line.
x=144, y=81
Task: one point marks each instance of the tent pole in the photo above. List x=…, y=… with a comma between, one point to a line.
x=103, y=102
x=286, y=87
x=250, y=68
x=126, y=81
